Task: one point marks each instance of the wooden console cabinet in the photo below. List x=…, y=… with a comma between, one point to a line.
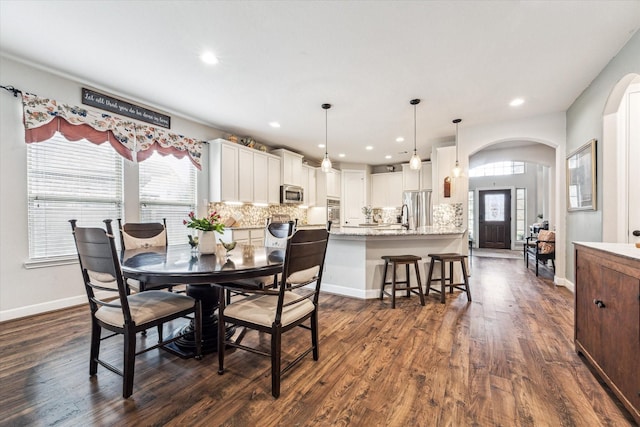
x=607, y=316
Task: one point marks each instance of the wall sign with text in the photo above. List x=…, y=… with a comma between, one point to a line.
x=109, y=103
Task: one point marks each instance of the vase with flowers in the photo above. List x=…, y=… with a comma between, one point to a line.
x=207, y=227
x=367, y=211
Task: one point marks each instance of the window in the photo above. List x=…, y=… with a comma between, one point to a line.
x=168, y=190
x=471, y=211
x=497, y=169
x=69, y=180
x=521, y=205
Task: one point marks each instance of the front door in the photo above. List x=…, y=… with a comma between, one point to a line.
x=494, y=224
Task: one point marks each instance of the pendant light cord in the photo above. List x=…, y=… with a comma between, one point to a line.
x=326, y=131
x=414, y=129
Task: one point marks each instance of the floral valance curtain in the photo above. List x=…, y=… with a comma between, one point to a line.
x=43, y=117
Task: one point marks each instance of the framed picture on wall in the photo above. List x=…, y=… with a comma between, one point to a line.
x=581, y=178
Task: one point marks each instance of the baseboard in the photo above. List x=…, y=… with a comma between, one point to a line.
x=559, y=281
x=349, y=292
x=30, y=310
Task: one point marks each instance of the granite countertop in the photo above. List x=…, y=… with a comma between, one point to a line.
x=394, y=231
x=624, y=249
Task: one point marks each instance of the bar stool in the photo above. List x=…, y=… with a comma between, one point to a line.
x=450, y=258
x=395, y=261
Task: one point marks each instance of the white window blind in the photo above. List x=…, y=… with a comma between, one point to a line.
x=168, y=190
x=69, y=180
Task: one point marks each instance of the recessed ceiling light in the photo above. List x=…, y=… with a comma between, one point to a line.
x=388, y=156
x=341, y=155
x=399, y=139
x=321, y=145
x=274, y=124
x=516, y=102
x=208, y=58
x=368, y=147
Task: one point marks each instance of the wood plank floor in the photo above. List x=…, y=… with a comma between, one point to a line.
x=506, y=359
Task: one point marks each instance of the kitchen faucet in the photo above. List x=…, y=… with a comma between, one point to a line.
x=404, y=224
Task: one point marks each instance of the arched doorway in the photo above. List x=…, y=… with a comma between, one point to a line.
x=621, y=146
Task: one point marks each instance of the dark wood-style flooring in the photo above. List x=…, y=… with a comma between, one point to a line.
x=506, y=359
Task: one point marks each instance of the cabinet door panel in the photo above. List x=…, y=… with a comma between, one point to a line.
x=260, y=178
x=621, y=342
x=245, y=176
x=229, y=173
x=588, y=315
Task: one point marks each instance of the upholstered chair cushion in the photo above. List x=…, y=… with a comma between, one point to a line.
x=145, y=307
x=544, y=237
x=304, y=276
x=261, y=309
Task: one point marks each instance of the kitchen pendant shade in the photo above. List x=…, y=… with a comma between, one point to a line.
x=415, y=163
x=325, y=166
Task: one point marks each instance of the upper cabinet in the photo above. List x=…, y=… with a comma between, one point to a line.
x=291, y=166
x=413, y=180
x=274, y=179
x=241, y=174
x=309, y=185
x=328, y=185
x=386, y=189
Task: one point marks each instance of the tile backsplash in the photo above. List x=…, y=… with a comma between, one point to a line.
x=447, y=215
x=257, y=215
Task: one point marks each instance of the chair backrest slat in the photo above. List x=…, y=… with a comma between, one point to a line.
x=144, y=231
x=98, y=258
x=305, y=255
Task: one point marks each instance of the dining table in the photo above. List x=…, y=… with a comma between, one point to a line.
x=203, y=274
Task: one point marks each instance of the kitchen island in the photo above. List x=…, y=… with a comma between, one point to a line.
x=353, y=264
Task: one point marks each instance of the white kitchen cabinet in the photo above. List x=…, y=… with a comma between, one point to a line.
x=245, y=176
x=386, y=190
x=309, y=185
x=354, y=196
x=328, y=185
x=260, y=177
x=410, y=178
x=413, y=180
x=291, y=166
x=426, y=176
x=274, y=179
x=223, y=171
x=242, y=174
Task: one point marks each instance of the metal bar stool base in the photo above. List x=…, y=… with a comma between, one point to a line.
x=395, y=261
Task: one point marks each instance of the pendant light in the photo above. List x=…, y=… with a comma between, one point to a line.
x=415, y=163
x=326, y=163
x=456, y=169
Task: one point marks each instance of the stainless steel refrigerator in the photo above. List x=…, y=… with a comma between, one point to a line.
x=419, y=206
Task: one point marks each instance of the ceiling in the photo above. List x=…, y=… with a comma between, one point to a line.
x=280, y=60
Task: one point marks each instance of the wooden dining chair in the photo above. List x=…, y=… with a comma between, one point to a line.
x=112, y=308
x=276, y=311
x=136, y=235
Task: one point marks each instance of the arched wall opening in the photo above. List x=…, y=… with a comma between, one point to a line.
x=620, y=146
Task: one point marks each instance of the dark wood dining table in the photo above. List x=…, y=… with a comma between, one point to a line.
x=202, y=274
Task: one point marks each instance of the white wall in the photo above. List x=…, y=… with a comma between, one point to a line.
x=548, y=129
x=585, y=122
x=24, y=292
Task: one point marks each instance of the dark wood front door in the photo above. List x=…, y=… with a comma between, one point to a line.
x=495, y=219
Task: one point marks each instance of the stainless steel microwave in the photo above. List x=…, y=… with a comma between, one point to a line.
x=291, y=194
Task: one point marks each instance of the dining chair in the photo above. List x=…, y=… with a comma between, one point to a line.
x=276, y=235
x=276, y=311
x=136, y=235
x=113, y=309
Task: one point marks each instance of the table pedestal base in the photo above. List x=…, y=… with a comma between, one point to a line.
x=186, y=346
